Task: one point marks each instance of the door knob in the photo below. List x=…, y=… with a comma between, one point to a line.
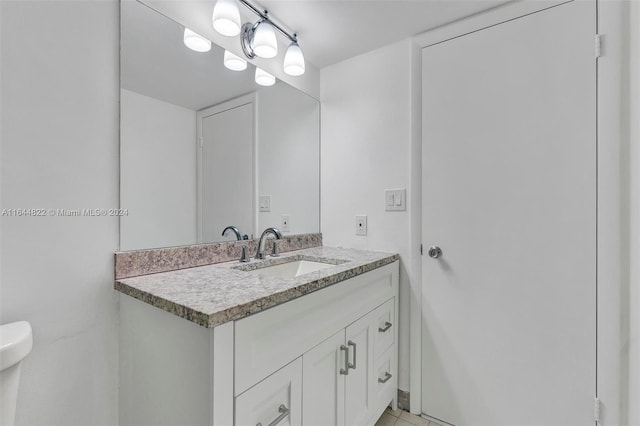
x=434, y=252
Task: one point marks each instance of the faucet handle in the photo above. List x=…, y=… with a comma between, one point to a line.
x=244, y=257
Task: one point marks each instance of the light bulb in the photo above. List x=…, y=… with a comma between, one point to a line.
x=294, y=60
x=226, y=18
x=233, y=62
x=195, y=41
x=264, y=42
x=263, y=78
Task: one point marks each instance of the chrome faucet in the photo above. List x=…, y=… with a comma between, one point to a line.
x=263, y=238
x=244, y=257
x=235, y=231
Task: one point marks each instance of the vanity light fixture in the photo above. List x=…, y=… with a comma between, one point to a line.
x=258, y=39
x=226, y=18
x=263, y=78
x=195, y=41
x=294, y=60
x=233, y=62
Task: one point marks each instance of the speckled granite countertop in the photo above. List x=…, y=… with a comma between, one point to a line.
x=215, y=294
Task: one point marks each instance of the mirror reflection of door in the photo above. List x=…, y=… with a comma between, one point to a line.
x=226, y=169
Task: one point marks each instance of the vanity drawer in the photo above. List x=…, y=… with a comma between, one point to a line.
x=385, y=378
x=385, y=328
x=276, y=399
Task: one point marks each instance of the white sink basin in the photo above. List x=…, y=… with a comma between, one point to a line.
x=291, y=269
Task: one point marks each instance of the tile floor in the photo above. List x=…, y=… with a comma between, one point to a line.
x=402, y=418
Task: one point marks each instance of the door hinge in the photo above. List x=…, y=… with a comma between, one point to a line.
x=201, y=141
x=596, y=410
x=598, y=46
x=420, y=249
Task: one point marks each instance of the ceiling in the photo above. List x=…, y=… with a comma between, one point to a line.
x=154, y=61
x=330, y=31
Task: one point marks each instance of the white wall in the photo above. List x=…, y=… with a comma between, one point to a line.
x=59, y=132
x=366, y=144
x=157, y=172
x=289, y=158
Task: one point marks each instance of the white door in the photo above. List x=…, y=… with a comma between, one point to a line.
x=226, y=194
x=323, y=384
x=509, y=195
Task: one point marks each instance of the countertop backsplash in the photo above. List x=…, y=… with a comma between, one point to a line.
x=152, y=261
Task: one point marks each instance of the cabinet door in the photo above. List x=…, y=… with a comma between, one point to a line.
x=275, y=400
x=323, y=385
x=360, y=386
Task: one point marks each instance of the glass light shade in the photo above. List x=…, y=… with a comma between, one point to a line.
x=263, y=78
x=226, y=18
x=195, y=41
x=294, y=60
x=264, y=42
x=233, y=62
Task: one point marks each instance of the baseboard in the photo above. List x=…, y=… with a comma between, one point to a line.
x=403, y=400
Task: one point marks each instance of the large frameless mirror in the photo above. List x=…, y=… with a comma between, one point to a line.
x=203, y=147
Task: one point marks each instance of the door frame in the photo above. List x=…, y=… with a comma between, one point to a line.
x=612, y=223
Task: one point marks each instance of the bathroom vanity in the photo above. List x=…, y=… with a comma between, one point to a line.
x=308, y=337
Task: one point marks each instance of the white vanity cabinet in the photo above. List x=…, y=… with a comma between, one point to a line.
x=326, y=358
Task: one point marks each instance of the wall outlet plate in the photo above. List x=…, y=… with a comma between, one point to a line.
x=361, y=225
x=285, y=225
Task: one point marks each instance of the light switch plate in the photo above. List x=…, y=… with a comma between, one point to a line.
x=395, y=200
x=265, y=203
x=361, y=225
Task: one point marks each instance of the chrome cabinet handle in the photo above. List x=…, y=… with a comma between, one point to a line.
x=345, y=370
x=352, y=366
x=387, y=325
x=387, y=377
x=284, y=412
x=434, y=252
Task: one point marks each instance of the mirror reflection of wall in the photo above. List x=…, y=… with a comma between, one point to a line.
x=157, y=172
x=178, y=191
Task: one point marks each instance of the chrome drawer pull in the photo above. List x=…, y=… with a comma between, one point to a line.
x=353, y=366
x=387, y=376
x=284, y=412
x=345, y=370
x=387, y=325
